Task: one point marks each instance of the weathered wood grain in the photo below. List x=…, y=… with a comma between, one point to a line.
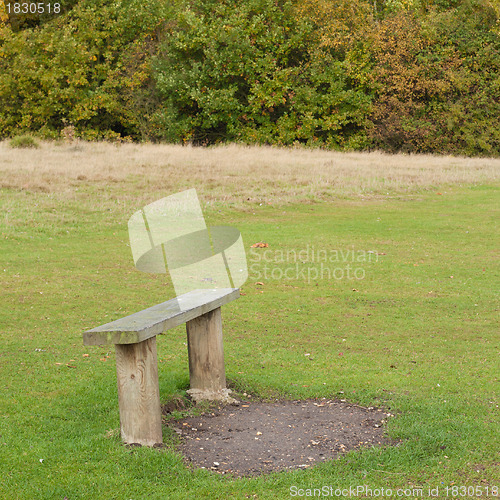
x=160, y=318
x=206, y=352
x=138, y=393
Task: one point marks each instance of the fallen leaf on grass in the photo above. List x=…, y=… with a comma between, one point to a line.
x=260, y=245
x=112, y=433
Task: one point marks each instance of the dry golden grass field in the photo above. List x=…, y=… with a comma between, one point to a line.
x=233, y=174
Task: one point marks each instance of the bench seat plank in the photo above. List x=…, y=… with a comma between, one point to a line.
x=160, y=318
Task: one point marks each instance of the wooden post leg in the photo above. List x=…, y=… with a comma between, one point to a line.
x=138, y=392
x=206, y=357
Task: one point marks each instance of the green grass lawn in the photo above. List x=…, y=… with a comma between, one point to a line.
x=417, y=335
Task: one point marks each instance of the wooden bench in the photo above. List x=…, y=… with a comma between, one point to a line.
x=136, y=361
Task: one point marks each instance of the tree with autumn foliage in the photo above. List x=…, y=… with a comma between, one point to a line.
x=88, y=69
x=435, y=81
x=395, y=75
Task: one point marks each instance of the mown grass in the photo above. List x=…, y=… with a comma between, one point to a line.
x=417, y=335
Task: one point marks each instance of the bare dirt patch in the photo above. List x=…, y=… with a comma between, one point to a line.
x=258, y=437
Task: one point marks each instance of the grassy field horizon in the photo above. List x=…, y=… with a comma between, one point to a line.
x=415, y=331
x=234, y=175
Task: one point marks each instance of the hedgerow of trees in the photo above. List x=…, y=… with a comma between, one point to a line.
x=395, y=75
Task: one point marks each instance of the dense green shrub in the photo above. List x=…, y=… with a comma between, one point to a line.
x=23, y=141
x=252, y=72
x=81, y=68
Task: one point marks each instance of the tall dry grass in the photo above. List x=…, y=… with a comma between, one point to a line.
x=233, y=174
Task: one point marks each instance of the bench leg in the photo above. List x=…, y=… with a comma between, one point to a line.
x=206, y=358
x=138, y=392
